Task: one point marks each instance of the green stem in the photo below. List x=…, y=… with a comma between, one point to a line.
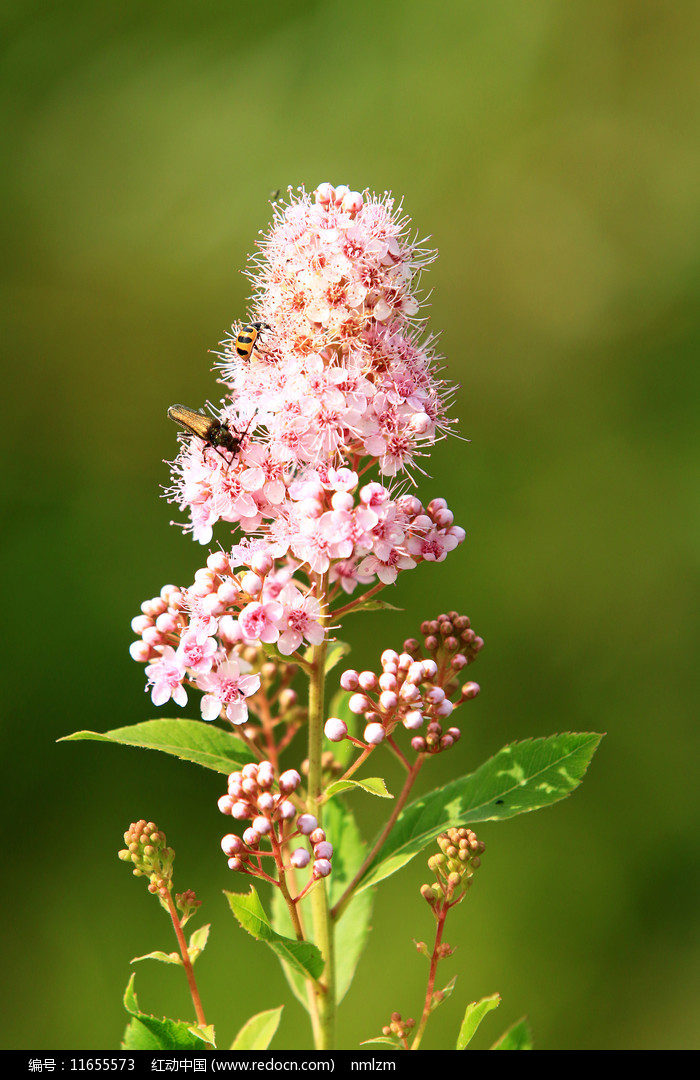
x=321, y=997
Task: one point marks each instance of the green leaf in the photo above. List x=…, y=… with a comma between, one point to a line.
x=473, y=1016
x=373, y=605
x=165, y=958
x=352, y=929
x=190, y=740
x=198, y=942
x=145, y=1032
x=521, y=777
x=517, y=1037
x=258, y=1032
x=336, y=651
x=373, y=785
x=304, y=957
x=383, y=1039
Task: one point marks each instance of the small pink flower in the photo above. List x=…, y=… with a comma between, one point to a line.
x=197, y=651
x=300, y=619
x=226, y=688
x=259, y=621
x=166, y=675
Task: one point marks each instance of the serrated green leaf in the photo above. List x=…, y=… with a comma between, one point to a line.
x=258, y=1032
x=517, y=1037
x=521, y=777
x=373, y=785
x=145, y=1032
x=190, y=740
x=303, y=956
x=157, y=954
x=473, y=1016
x=198, y=942
x=336, y=651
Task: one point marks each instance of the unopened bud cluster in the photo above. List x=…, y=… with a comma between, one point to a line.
x=460, y=855
x=414, y=690
x=398, y=1029
x=146, y=848
x=255, y=795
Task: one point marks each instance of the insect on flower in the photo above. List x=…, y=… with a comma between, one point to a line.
x=212, y=431
x=245, y=342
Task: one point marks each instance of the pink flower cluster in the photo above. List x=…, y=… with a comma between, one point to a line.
x=273, y=815
x=337, y=383
x=339, y=378
x=196, y=636
x=412, y=690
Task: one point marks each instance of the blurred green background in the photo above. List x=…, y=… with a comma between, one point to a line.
x=551, y=150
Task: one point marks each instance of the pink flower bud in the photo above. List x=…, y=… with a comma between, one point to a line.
x=240, y=811
x=266, y=802
x=322, y=868
x=390, y=657
x=262, y=563
x=420, y=423
x=140, y=651
x=415, y=673
x=368, y=680
x=228, y=591
x=470, y=690
x=317, y=836
x=352, y=202
x=388, y=681
x=388, y=700
x=289, y=781
x=324, y=850
x=413, y=720
x=231, y=844
x=300, y=858
x=335, y=729
x=218, y=562
x=444, y=709
x=251, y=837
x=306, y=823
x=261, y=825
x=325, y=193
x=225, y=804
x=140, y=622
x=213, y=605
x=286, y=810
x=349, y=680
x=374, y=734
x=236, y=863
x=266, y=774
x=251, y=583
x=359, y=703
